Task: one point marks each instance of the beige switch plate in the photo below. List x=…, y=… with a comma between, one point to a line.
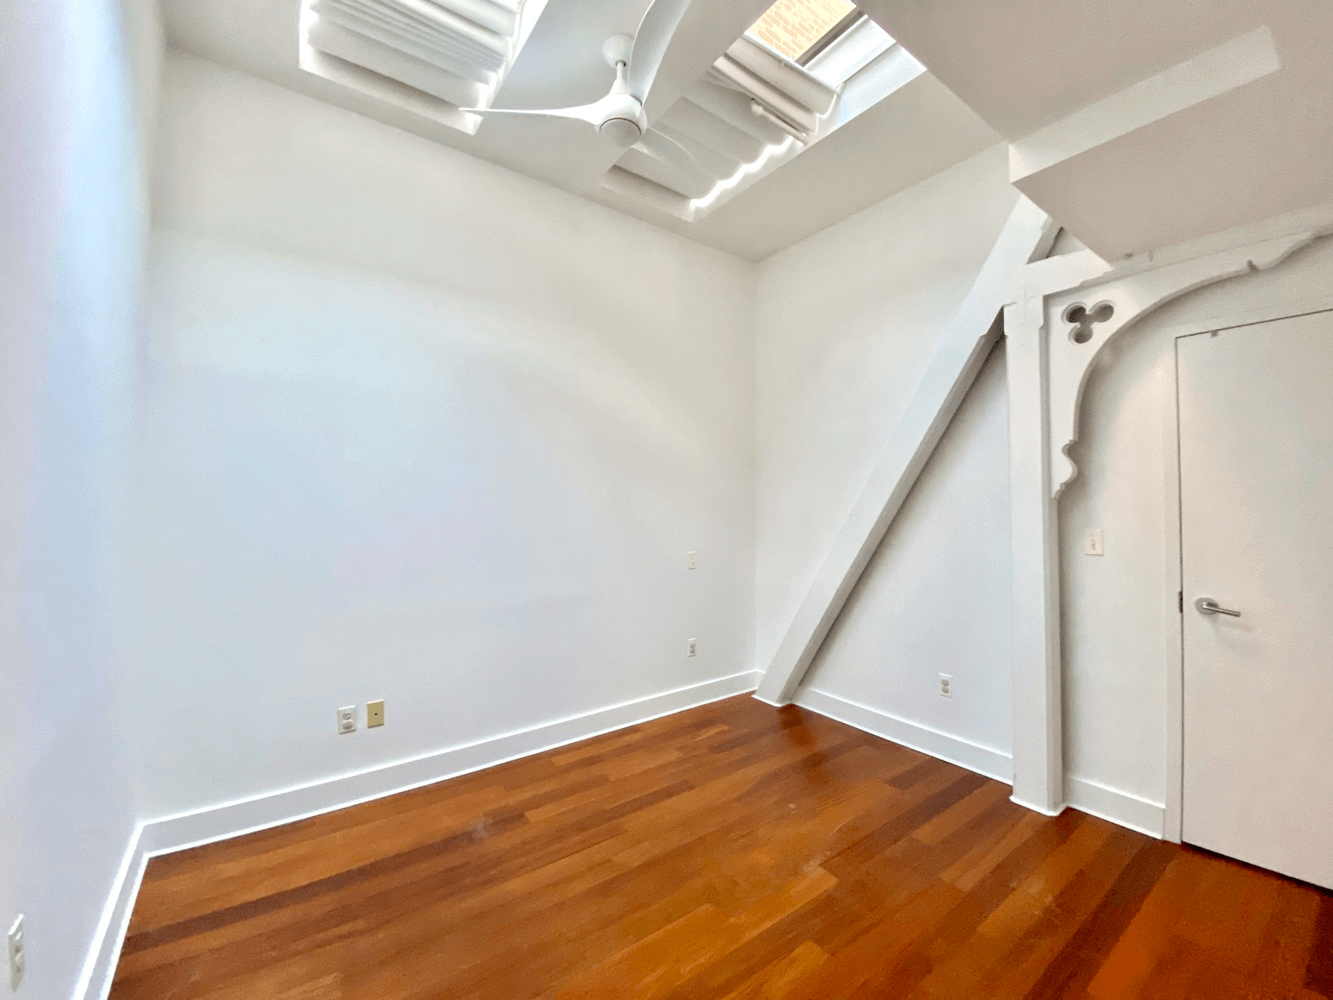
x=374, y=714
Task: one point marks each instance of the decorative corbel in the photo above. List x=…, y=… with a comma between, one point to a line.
x=1080, y=320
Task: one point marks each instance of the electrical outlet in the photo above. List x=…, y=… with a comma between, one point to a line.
x=18, y=954
x=946, y=685
x=347, y=720
x=1092, y=542
x=374, y=714
x=691, y=647
x=691, y=560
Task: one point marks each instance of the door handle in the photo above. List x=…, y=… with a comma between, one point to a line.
x=1208, y=606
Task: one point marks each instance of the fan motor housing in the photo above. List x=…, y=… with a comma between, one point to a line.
x=621, y=131
x=622, y=120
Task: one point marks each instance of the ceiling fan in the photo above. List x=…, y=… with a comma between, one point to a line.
x=619, y=115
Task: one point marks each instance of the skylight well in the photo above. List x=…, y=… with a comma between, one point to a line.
x=430, y=57
x=800, y=72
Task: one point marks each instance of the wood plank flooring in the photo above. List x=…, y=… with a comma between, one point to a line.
x=732, y=851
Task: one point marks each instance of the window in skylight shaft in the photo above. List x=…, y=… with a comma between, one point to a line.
x=794, y=27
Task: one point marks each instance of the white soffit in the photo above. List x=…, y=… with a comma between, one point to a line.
x=1211, y=74
x=1140, y=124
x=1022, y=64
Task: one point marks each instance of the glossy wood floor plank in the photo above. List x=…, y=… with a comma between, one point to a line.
x=732, y=852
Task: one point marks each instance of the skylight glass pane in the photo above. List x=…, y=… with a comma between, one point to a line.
x=793, y=27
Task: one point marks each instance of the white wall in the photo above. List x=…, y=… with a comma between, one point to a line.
x=418, y=428
x=72, y=230
x=1116, y=609
x=935, y=597
x=847, y=321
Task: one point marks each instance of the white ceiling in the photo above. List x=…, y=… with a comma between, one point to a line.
x=917, y=131
x=1202, y=148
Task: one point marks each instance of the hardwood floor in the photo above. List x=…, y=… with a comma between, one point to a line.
x=731, y=851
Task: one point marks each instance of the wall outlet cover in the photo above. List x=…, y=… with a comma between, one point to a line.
x=346, y=720
x=691, y=647
x=946, y=685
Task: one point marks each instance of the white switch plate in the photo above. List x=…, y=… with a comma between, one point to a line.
x=691, y=560
x=347, y=720
x=692, y=647
x=1092, y=542
x=946, y=685
x=18, y=954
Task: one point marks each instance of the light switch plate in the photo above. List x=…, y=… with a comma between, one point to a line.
x=691, y=560
x=374, y=714
x=1092, y=542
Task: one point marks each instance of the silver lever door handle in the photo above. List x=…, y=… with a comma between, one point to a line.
x=1208, y=606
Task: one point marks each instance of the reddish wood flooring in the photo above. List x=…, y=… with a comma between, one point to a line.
x=730, y=851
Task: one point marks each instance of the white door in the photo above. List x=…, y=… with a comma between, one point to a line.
x=1256, y=481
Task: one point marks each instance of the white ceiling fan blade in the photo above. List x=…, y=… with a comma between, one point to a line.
x=590, y=113
x=650, y=44
x=665, y=148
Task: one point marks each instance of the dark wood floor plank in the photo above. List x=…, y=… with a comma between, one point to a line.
x=1069, y=973
x=1319, y=968
x=733, y=852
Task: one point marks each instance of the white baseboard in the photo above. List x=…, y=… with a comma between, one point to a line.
x=100, y=965
x=955, y=750
x=233, y=819
x=1087, y=796
x=1037, y=807
x=1116, y=806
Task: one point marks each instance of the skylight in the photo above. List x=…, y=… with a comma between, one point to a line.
x=799, y=29
x=797, y=75
x=429, y=57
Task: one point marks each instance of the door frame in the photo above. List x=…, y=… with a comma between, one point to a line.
x=1258, y=314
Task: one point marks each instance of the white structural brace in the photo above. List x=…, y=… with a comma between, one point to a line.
x=1069, y=309
x=952, y=369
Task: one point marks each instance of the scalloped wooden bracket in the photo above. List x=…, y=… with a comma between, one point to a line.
x=1079, y=321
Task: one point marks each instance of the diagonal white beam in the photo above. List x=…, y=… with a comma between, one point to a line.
x=958, y=359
